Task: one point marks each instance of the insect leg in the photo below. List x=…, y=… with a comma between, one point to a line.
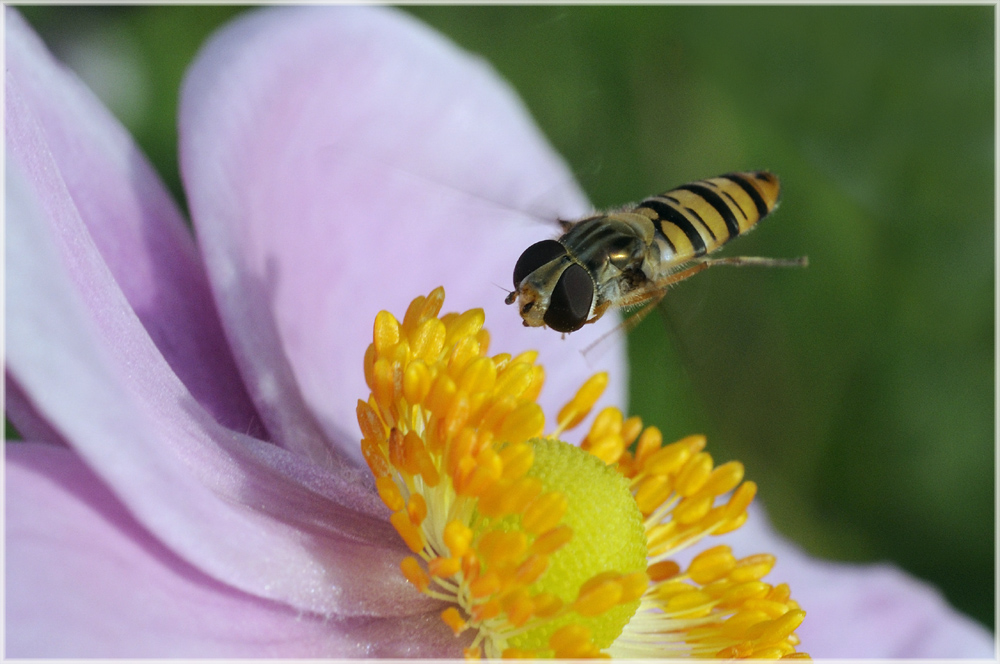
x=653, y=293
x=738, y=261
x=758, y=261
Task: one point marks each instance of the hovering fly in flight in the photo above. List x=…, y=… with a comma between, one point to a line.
x=629, y=257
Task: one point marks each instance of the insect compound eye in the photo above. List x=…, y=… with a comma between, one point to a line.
x=536, y=256
x=571, y=300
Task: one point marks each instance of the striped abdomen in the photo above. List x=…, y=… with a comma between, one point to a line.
x=696, y=219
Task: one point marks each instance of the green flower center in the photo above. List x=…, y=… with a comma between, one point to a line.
x=608, y=535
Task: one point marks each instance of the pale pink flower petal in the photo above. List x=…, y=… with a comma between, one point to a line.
x=339, y=161
x=31, y=424
x=128, y=215
x=244, y=511
x=121, y=593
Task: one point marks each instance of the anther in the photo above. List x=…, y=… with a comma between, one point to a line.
x=414, y=573
x=453, y=619
x=579, y=406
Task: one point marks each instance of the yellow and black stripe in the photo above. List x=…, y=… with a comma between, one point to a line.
x=696, y=219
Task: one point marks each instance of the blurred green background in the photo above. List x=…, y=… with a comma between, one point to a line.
x=858, y=392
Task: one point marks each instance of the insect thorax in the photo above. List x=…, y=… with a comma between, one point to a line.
x=617, y=250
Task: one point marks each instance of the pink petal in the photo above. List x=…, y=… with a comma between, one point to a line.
x=129, y=216
x=30, y=423
x=243, y=511
x=340, y=161
x=84, y=579
x=863, y=611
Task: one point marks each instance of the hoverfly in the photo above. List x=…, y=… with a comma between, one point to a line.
x=630, y=257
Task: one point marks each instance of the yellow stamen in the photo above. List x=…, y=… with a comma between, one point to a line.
x=444, y=567
x=552, y=540
x=544, y=513
x=579, y=407
x=543, y=549
x=453, y=619
x=414, y=573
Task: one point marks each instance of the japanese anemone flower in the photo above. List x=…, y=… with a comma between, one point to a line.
x=192, y=480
